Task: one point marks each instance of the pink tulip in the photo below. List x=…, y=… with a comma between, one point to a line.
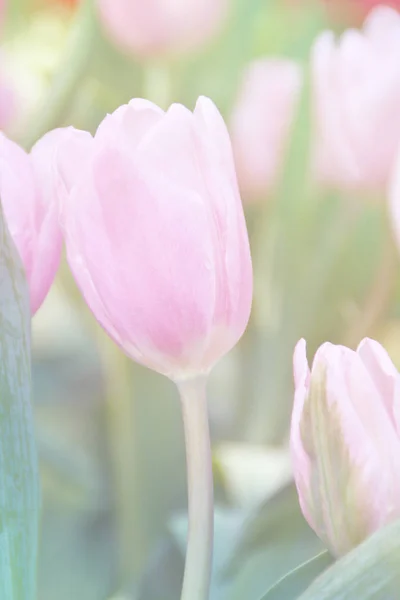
x=155, y=234
x=345, y=441
x=261, y=123
x=357, y=99
x=354, y=11
x=156, y=27
x=28, y=200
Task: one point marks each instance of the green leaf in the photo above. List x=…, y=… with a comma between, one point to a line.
x=295, y=582
x=277, y=518
x=371, y=571
x=274, y=540
x=19, y=480
x=163, y=578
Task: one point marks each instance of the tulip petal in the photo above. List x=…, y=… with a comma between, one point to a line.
x=153, y=299
x=49, y=243
x=300, y=459
x=382, y=371
x=129, y=124
x=74, y=154
x=18, y=197
x=334, y=157
x=215, y=157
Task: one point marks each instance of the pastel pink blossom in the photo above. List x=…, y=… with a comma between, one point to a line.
x=357, y=97
x=155, y=234
x=158, y=27
x=261, y=123
x=345, y=441
x=29, y=203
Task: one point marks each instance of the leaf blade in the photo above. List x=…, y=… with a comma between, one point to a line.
x=295, y=582
x=19, y=478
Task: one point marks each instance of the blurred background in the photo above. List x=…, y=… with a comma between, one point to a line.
x=109, y=432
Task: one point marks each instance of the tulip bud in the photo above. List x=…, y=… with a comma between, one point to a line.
x=152, y=28
x=261, y=122
x=357, y=97
x=155, y=234
x=345, y=442
x=31, y=210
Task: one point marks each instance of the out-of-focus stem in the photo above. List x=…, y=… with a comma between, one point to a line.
x=379, y=296
x=120, y=420
x=196, y=582
x=122, y=442
x=157, y=84
x=70, y=73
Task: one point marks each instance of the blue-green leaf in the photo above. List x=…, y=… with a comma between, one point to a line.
x=19, y=487
x=291, y=585
x=371, y=571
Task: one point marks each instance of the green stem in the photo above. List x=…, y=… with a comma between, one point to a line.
x=72, y=70
x=120, y=421
x=379, y=296
x=196, y=582
x=157, y=84
x=19, y=477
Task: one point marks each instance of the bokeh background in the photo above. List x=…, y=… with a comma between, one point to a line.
x=109, y=432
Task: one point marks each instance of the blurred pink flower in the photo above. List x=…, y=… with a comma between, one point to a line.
x=261, y=123
x=155, y=234
x=157, y=27
x=29, y=202
x=357, y=99
x=345, y=441
x=355, y=10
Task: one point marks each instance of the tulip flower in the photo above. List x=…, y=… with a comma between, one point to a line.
x=261, y=122
x=157, y=27
x=29, y=204
x=155, y=234
x=345, y=441
x=357, y=95
x=156, y=240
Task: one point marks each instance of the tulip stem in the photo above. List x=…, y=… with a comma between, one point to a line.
x=120, y=421
x=157, y=84
x=379, y=296
x=196, y=582
x=71, y=71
